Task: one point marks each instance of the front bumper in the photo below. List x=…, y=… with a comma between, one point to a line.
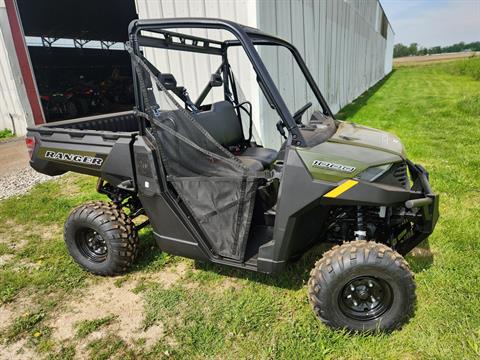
x=425, y=202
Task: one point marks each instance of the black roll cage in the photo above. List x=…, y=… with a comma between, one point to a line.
x=247, y=37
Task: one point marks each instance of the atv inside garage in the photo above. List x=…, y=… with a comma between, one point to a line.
x=77, y=55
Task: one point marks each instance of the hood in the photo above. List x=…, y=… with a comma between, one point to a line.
x=358, y=135
x=351, y=150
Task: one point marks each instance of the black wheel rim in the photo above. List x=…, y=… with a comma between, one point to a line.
x=365, y=298
x=92, y=245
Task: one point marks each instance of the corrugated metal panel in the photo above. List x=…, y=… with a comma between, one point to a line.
x=338, y=39
x=12, y=115
x=389, y=50
x=340, y=42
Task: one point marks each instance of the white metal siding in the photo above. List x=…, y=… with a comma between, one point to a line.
x=389, y=50
x=10, y=105
x=339, y=40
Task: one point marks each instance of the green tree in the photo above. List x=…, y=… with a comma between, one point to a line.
x=413, y=49
x=400, y=50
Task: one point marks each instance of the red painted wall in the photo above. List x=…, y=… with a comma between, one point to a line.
x=23, y=60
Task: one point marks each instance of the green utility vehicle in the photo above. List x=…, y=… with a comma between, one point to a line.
x=211, y=193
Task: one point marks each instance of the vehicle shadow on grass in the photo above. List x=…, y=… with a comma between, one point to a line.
x=294, y=277
x=352, y=108
x=149, y=254
x=421, y=257
x=297, y=273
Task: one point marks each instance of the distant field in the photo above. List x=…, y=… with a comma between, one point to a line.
x=410, y=60
x=169, y=307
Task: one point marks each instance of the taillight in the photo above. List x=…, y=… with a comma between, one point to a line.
x=30, y=141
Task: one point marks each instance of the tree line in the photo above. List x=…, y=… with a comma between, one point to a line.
x=413, y=49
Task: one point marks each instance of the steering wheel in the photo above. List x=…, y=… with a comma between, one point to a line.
x=298, y=114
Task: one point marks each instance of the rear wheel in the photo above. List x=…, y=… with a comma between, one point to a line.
x=362, y=286
x=101, y=238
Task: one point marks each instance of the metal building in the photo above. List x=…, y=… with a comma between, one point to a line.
x=347, y=45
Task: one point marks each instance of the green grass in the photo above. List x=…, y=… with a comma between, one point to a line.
x=162, y=302
x=64, y=353
x=467, y=67
x=5, y=249
x=6, y=133
x=24, y=324
x=86, y=327
x=41, y=264
x=106, y=348
x=217, y=312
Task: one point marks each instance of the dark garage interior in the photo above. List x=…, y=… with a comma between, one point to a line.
x=77, y=56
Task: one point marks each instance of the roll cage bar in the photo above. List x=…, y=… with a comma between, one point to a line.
x=247, y=37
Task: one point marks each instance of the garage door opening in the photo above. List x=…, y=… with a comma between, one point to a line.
x=77, y=55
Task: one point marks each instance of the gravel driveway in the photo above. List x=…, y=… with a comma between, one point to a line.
x=16, y=175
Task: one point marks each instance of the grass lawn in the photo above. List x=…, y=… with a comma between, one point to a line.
x=182, y=309
x=5, y=134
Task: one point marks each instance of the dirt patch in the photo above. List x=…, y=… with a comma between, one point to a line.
x=14, y=238
x=171, y=275
x=18, y=244
x=6, y=317
x=108, y=298
x=99, y=301
x=9, y=312
x=17, y=351
x=4, y=259
x=229, y=284
x=421, y=252
x=10, y=223
x=49, y=232
x=25, y=265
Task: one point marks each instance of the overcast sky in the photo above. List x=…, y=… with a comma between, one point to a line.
x=434, y=22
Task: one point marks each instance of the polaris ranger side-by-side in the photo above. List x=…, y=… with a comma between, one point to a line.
x=211, y=193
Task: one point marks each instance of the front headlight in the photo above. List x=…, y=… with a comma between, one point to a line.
x=373, y=173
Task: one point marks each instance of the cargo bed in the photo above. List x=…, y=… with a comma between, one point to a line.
x=84, y=145
x=116, y=122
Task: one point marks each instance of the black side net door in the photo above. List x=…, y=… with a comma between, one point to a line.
x=216, y=187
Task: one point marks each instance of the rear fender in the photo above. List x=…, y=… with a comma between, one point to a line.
x=98, y=154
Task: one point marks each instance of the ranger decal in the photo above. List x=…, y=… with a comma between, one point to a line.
x=332, y=166
x=76, y=158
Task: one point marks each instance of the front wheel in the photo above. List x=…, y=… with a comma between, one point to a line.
x=101, y=238
x=362, y=286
